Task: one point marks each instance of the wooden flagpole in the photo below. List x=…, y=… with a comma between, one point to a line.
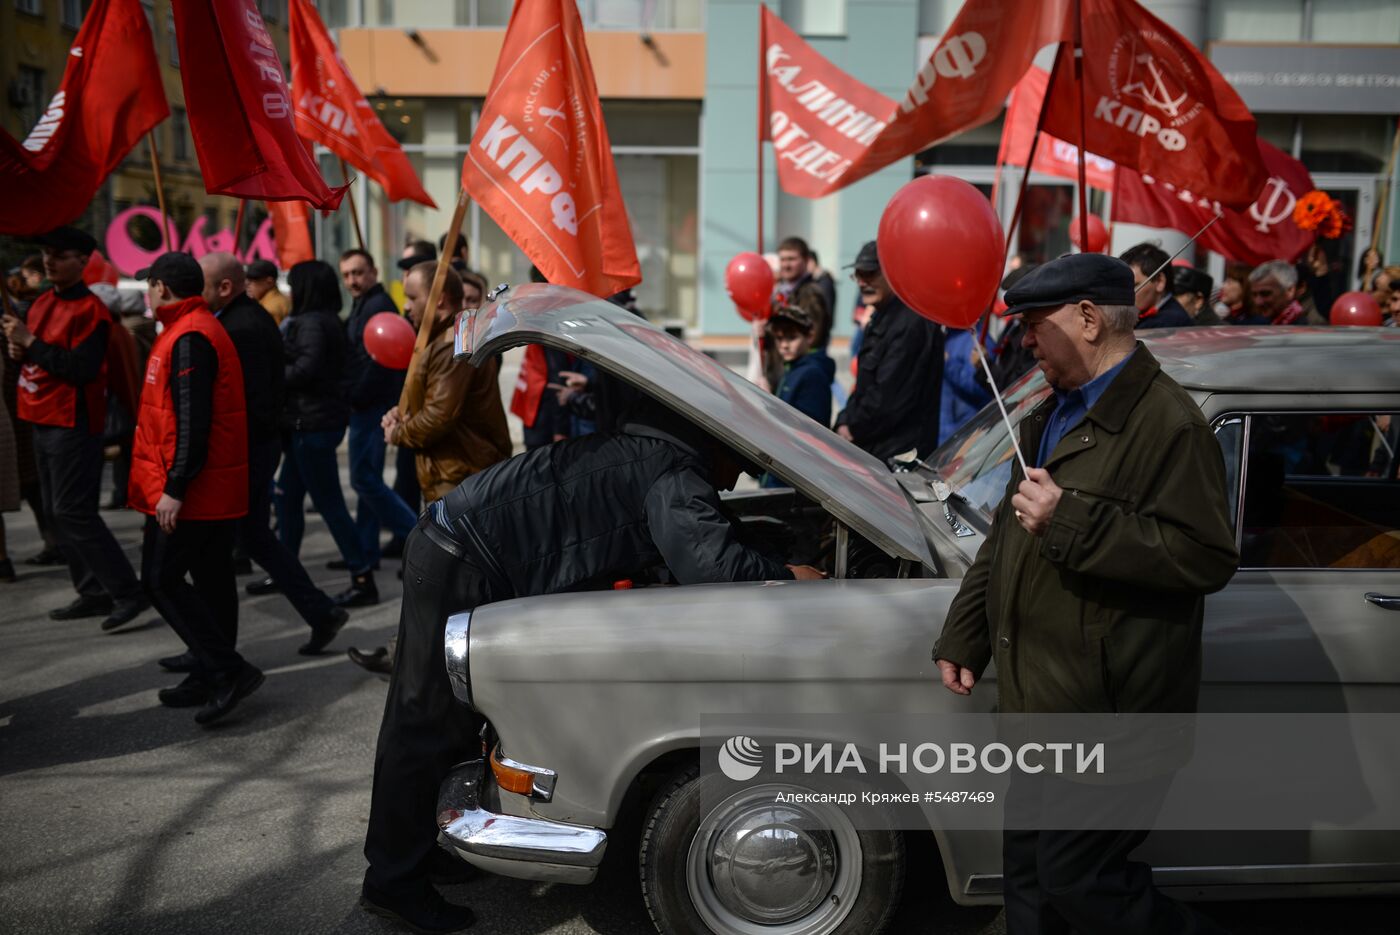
x=238, y=225
x=1079, y=86
x=762, y=103
x=1030, y=160
x=166, y=238
x=350, y=196
x=425, y=326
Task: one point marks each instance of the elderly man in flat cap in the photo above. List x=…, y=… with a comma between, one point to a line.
x=1088, y=592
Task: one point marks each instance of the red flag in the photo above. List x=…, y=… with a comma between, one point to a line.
x=110, y=96
x=239, y=109
x=530, y=385
x=290, y=229
x=1264, y=231
x=1052, y=156
x=1154, y=103
x=540, y=163
x=819, y=118
x=330, y=109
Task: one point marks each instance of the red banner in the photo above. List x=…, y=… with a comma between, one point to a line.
x=1154, y=103
x=110, y=96
x=1052, y=156
x=1264, y=231
x=291, y=228
x=541, y=164
x=330, y=109
x=239, y=107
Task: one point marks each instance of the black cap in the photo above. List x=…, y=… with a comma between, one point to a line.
x=1103, y=280
x=179, y=271
x=408, y=262
x=792, y=313
x=67, y=238
x=1188, y=280
x=867, y=260
x=261, y=269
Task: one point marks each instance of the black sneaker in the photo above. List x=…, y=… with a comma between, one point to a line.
x=190, y=693
x=422, y=912
x=181, y=663
x=265, y=586
x=323, y=633
x=361, y=593
x=83, y=607
x=228, y=691
x=125, y=612
x=50, y=556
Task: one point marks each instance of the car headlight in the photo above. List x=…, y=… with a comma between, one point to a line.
x=456, y=644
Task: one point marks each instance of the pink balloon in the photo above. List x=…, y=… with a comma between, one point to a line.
x=389, y=340
x=941, y=248
x=1358, y=309
x=749, y=280
x=1098, y=234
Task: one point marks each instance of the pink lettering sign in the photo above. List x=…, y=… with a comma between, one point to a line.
x=128, y=256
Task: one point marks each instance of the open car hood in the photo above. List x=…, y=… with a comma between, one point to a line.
x=852, y=485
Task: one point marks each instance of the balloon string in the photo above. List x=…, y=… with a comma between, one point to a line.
x=1001, y=404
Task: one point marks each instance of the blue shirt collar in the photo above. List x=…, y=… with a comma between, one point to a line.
x=1092, y=391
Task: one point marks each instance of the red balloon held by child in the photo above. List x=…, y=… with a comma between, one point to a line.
x=1098, y=234
x=389, y=340
x=1358, y=309
x=941, y=249
x=749, y=281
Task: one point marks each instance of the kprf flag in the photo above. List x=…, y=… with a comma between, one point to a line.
x=330, y=109
x=1154, y=103
x=540, y=163
x=1264, y=231
x=110, y=96
x=1053, y=156
x=291, y=229
x=240, y=108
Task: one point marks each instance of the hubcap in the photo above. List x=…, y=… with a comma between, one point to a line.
x=757, y=865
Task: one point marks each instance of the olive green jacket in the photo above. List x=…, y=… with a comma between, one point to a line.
x=1102, y=613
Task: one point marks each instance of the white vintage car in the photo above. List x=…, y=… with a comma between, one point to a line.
x=595, y=700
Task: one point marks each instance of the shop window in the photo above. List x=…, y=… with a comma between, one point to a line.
x=1347, y=142
x=1321, y=491
x=1257, y=20
x=652, y=123
x=975, y=147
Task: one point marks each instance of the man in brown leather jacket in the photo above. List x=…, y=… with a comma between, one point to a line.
x=453, y=418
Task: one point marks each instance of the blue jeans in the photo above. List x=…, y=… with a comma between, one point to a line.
x=378, y=505
x=310, y=467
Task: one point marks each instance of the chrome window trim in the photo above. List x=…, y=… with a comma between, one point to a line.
x=456, y=645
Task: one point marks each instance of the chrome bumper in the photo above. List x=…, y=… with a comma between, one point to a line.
x=510, y=845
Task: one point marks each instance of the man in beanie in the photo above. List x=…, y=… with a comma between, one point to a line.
x=1088, y=593
x=62, y=347
x=189, y=475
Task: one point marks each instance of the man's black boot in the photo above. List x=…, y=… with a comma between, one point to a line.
x=190, y=693
x=228, y=691
x=425, y=912
x=361, y=593
x=84, y=606
x=323, y=632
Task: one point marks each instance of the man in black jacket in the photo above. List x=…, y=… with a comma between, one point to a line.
x=372, y=391
x=1156, y=303
x=576, y=513
x=899, y=373
x=258, y=342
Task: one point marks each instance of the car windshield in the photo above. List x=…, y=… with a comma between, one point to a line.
x=976, y=460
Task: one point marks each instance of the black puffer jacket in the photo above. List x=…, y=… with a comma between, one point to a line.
x=599, y=508
x=315, y=350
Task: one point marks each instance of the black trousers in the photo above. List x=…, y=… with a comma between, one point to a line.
x=263, y=546
x=425, y=730
x=203, y=611
x=406, y=478
x=70, y=478
x=1082, y=882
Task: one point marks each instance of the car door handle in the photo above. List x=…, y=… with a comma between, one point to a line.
x=1383, y=601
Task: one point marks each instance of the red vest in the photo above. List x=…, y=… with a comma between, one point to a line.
x=45, y=399
x=220, y=490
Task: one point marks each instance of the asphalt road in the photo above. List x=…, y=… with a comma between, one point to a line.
x=120, y=816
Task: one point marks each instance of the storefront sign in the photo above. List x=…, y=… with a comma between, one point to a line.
x=1312, y=78
x=128, y=256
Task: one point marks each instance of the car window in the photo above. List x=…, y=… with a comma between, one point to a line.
x=976, y=459
x=1321, y=491
x=1229, y=432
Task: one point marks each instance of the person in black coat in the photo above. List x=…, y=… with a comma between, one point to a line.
x=314, y=416
x=899, y=373
x=575, y=514
x=258, y=342
x=372, y=390
x=1156, y=302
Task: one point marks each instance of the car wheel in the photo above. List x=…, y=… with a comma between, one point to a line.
x=721, y=860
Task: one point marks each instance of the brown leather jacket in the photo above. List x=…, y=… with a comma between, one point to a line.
x=453, y=419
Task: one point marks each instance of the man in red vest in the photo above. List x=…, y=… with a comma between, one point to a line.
x=62, y=345
x=189, y=474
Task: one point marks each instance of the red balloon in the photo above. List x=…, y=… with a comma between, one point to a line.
x=941, y=248
x=1098, y=234
x=749, y=279
x=99, y=269
x=1359, y=309
x=389, y=340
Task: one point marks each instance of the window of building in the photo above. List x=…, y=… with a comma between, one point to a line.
x=72, y=12
x=1365, y=22
x=170, y=38
x=1321, y=491
x=935, y=16
x=32, y=7
x=1257, y=20
x=180, y=133
x=337, y=14
x=1347, y=142
x=31, y=97
x=273, y=11
x=815, y=17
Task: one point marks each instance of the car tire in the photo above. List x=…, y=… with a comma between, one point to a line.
x=691, y=813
